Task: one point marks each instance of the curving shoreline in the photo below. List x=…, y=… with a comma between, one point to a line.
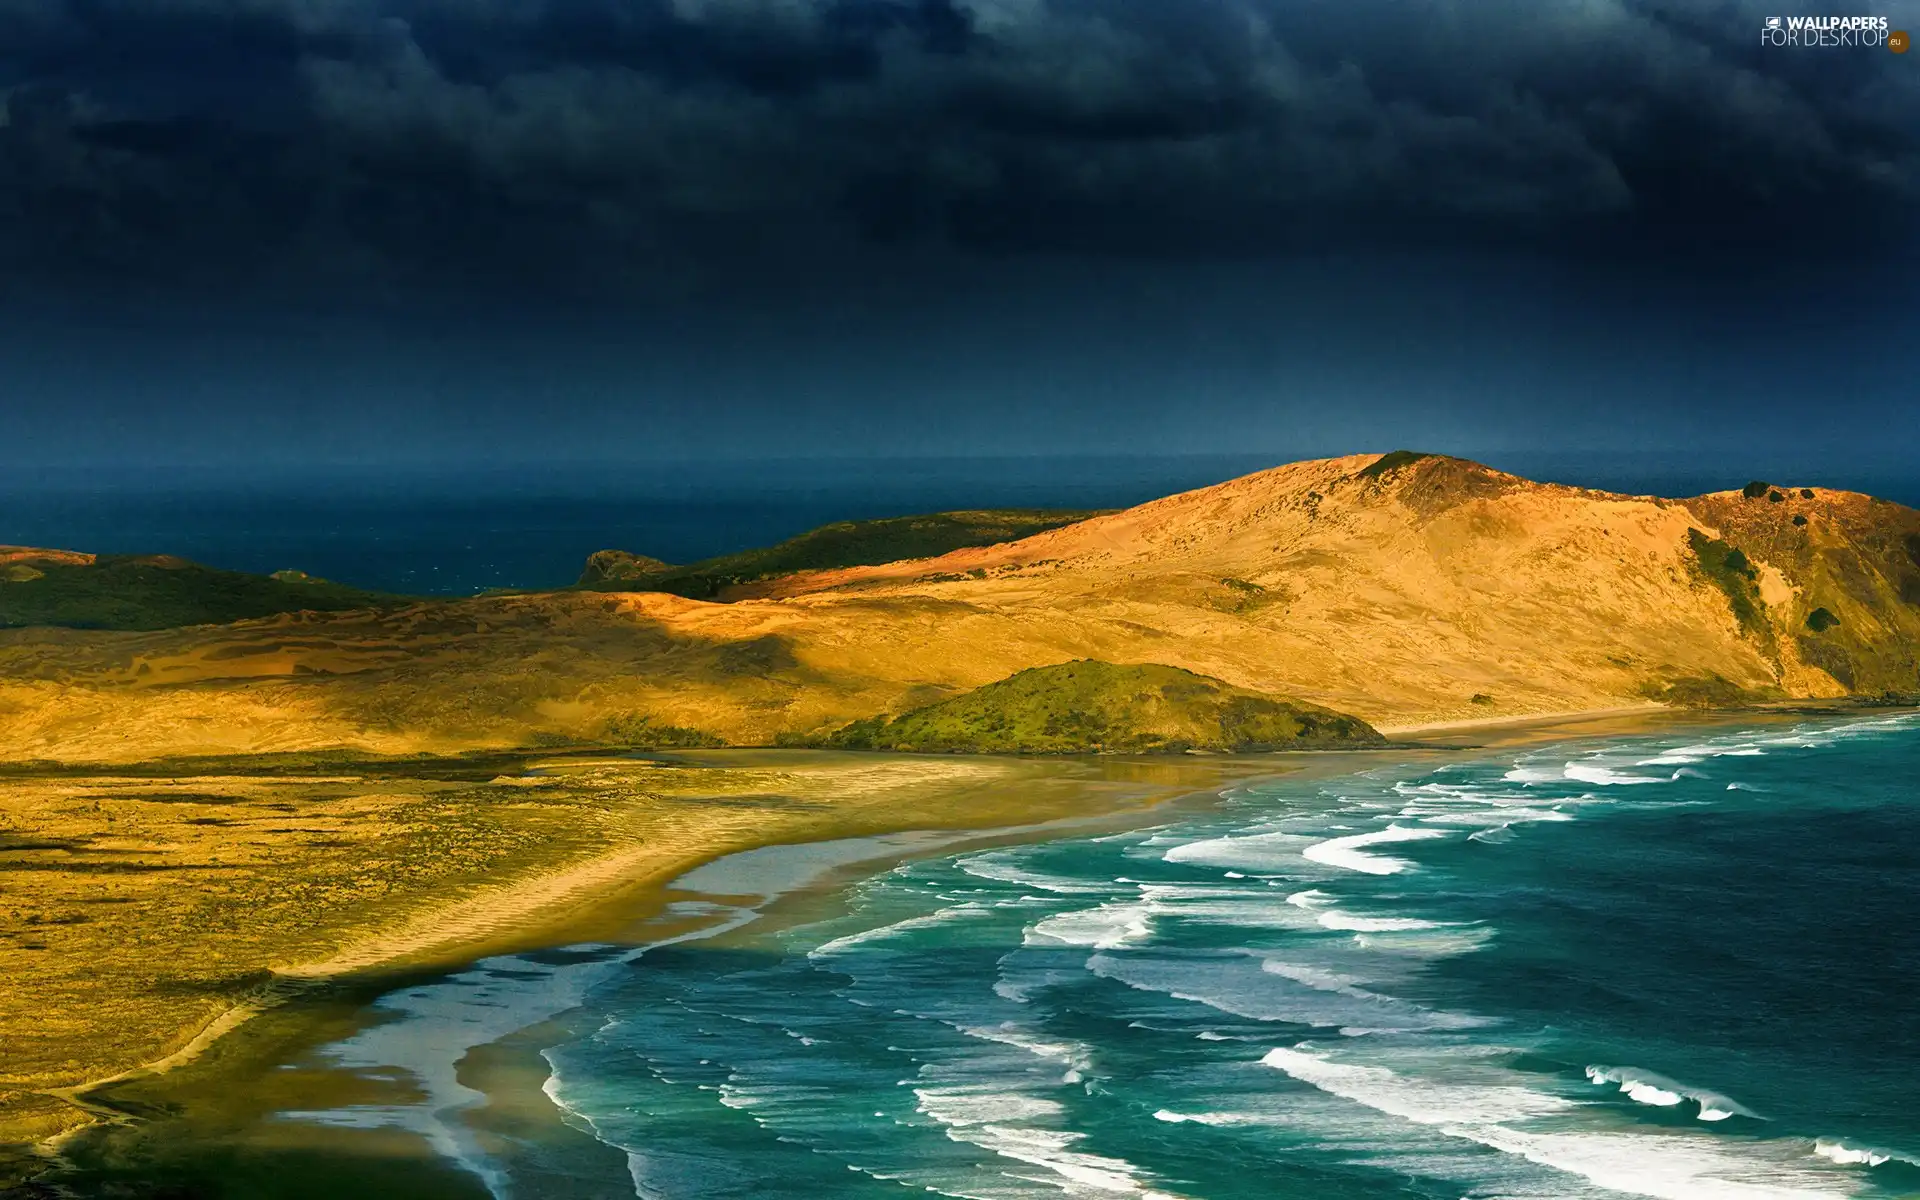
x=573, y=898
x=700, y=807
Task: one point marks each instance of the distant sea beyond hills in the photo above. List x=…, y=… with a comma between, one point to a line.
x=458, y=530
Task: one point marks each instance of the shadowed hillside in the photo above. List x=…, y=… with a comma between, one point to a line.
x=1850, y=608
x=86, y=591
x=1404, y=589
x=843, y=544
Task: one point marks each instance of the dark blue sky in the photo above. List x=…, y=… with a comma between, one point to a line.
x=460, y=231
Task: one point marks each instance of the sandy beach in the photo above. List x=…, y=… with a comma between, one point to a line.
x=313, y=881
x=609, y=836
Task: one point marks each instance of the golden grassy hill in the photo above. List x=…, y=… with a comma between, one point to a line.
x=1402, y=589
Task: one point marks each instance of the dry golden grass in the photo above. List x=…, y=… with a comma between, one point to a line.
x=138, y=903
x=1437, y=591
x=138, y=907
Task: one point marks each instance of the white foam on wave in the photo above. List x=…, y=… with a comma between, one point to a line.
x=1200, y=1118
x=1487, y=818
x=1750, y=745
x=1605, y=776
x=1844, y=1154
x=1248, y=852
x=1421, y=1101
x=1320, y=978
x=1854, y=1154
x=1078, y=1173
x=1478, y=808
x=1073, y=1055
x=1104, y=928
x=1321, y=905
x=1821, y=736
x=1526, y=774
x=1350, y=853
x=1339, y=984
x=987, y=1103
x=997, y=868
x=1697, y=752
x=1647, y=1087
x=1649, y=1093
x=1426, y=945
x=1666, y=1166
x=1131, y=921
x=853, y=941
x=1345, y=921
x=1272, y=990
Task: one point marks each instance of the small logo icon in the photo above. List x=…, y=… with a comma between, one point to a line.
x=1898, y=41
x=1773, y=22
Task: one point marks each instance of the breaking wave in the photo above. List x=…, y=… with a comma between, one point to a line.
x=1646, y=1087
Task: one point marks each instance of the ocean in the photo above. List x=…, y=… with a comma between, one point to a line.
x=1679, y=966
x=462, y=531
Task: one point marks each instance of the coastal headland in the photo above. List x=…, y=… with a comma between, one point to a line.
x=1400, y=589
x=201, y=822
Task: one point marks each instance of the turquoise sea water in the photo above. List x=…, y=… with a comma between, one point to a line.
x=1676, y=967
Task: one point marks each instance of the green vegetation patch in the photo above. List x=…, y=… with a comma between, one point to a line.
x=843, y=544
x=616, y=566
x=1729, y=570
x=1756, y=489
x=132, y=592
x=1820, y=620
x=1089, y=706
x=1386, y=464
x=640, y=731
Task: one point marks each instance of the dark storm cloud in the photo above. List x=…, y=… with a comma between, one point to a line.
x=633, y=143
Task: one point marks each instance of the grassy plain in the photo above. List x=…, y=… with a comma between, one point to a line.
x=147, y=909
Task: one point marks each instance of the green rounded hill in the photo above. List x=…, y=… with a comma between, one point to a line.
x=1092, y=706
x=155, y=591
